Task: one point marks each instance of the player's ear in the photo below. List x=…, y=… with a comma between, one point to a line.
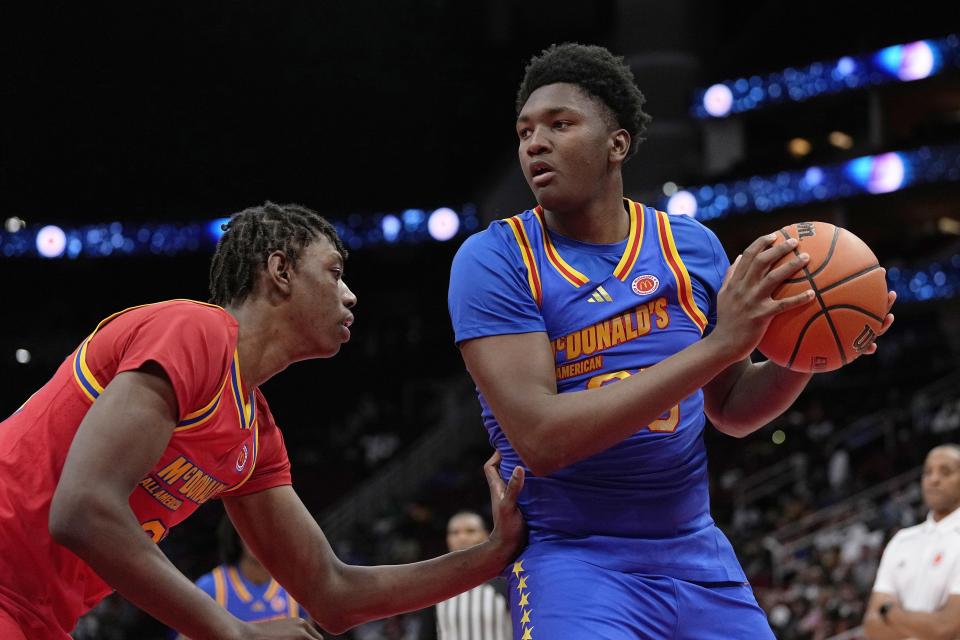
x=619, y=145
x=278, y=271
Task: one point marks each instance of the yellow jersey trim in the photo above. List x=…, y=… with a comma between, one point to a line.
x=526, y=252
x=568, y=273
x=219, y=587
x=271, y=590
x=238, y=586
x=631, y=252
x=680, y=273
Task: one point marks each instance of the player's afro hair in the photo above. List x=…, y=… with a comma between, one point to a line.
x=252, y=235
x=600, y=74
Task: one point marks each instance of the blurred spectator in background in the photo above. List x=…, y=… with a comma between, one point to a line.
x=917, y=591
x=481, y=613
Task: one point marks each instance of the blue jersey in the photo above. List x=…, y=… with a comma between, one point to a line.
x=248, y=601
x=609, y=311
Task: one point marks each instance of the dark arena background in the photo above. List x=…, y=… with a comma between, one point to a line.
x=130, y=131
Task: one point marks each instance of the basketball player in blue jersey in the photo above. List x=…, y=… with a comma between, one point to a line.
x=243, y=586
x=598, y=332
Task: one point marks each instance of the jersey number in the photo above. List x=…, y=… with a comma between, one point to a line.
x=155, y=529
x=666, y=423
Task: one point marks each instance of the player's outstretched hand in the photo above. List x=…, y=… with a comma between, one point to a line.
x=286, y=629
x=745, y=302
x=509, y=529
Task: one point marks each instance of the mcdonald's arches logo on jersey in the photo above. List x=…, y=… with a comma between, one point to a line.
x=645, y=285
x=242, y=458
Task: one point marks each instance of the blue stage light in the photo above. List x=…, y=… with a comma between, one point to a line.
x=901, y=62
x=390, y=225
x=215, y=228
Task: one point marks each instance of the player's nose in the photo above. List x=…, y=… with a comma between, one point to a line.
x=538, y=142
x=349, y=298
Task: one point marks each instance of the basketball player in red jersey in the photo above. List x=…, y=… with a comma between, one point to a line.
x=159, y=410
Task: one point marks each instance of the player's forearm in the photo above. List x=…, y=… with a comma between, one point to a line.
x=370, y=593
x=556, y=430
x=106, y=536
x=742, y=414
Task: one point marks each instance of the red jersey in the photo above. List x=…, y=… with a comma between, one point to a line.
x=225, y=443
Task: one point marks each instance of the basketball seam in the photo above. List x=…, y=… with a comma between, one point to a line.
x=803, y=331
x=816, y=292
x=823, y=265
x=850, y=277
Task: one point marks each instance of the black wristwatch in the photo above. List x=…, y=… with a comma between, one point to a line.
x=884, y=609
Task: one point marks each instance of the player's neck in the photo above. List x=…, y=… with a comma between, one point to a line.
x=602, y=220
x=261, y=345
x=252, y=570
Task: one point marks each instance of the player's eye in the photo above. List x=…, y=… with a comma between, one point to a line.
x=561, y=125
x=524, y=133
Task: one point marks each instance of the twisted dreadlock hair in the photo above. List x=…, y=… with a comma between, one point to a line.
x=252, y=235
x=600, y=74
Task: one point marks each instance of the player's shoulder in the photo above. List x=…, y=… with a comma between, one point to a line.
x=686, y=227
x=498, y=239
x=193, y=310
x=502, y=231
x=196, y=320
x=207, y=582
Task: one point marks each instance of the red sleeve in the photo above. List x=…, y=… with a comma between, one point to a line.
x=193, y=344
x=273, y=465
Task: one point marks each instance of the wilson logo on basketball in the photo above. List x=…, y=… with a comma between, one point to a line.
x=645, y=285
x=865, y=339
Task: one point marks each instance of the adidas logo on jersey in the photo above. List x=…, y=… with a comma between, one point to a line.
x=600, y=295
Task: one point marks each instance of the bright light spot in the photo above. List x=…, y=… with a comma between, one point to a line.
x=443, y=224
x=51, y=241
x=390, y=225
x=14, y=224
x=886, y=173
x=682, y=203
x=412, y=219
x=917, y=62
x=779, y=437
x=813, y=176
x=22, y=356
x=669, y=188
x=846, y=65
x=799, y=147
x=859, y=169
x=890, y=57
x=948, y=226
x=74, y=247
x=840, y=140
x=718, y=100
x=215, y=228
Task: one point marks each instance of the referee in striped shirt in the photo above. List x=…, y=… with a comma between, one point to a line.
x=482, y=612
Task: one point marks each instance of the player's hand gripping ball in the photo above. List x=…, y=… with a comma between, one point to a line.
x=849, y=307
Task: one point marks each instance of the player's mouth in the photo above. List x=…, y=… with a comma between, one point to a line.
x=346, y=325
x=541, y=173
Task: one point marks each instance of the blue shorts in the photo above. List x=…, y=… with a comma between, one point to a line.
x=561, y=598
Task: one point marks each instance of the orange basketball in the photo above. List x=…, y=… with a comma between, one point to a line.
x=850, y=304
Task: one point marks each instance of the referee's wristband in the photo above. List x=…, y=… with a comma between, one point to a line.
x=884, y=610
